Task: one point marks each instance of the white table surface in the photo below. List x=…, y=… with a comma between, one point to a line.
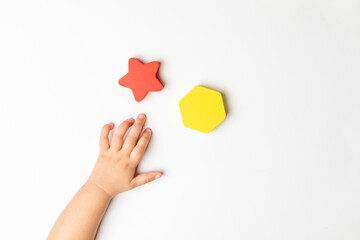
x=285, y=163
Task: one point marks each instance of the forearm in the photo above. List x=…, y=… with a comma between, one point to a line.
x=82, y=216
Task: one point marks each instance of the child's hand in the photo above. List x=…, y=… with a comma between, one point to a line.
x=114, y=171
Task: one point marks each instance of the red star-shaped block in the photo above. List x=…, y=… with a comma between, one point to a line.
x=141, y=78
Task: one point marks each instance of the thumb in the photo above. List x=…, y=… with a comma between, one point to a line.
x=144, y=178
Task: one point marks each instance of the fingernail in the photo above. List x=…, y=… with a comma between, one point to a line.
x=148, y=130
x=141, y=116
x=158, y=176
x=131, y=120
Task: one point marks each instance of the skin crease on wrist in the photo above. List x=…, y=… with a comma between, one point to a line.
x=114, y=172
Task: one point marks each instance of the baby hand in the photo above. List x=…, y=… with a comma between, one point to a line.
x=115, y=168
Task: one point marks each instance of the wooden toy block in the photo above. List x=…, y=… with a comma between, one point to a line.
x=202, y=109
x=141, y=78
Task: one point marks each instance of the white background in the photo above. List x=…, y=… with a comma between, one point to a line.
x=285, y=163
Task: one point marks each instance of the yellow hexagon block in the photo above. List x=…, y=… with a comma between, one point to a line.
x=202, y=109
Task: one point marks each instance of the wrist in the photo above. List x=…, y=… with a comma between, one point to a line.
x=98, y=189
